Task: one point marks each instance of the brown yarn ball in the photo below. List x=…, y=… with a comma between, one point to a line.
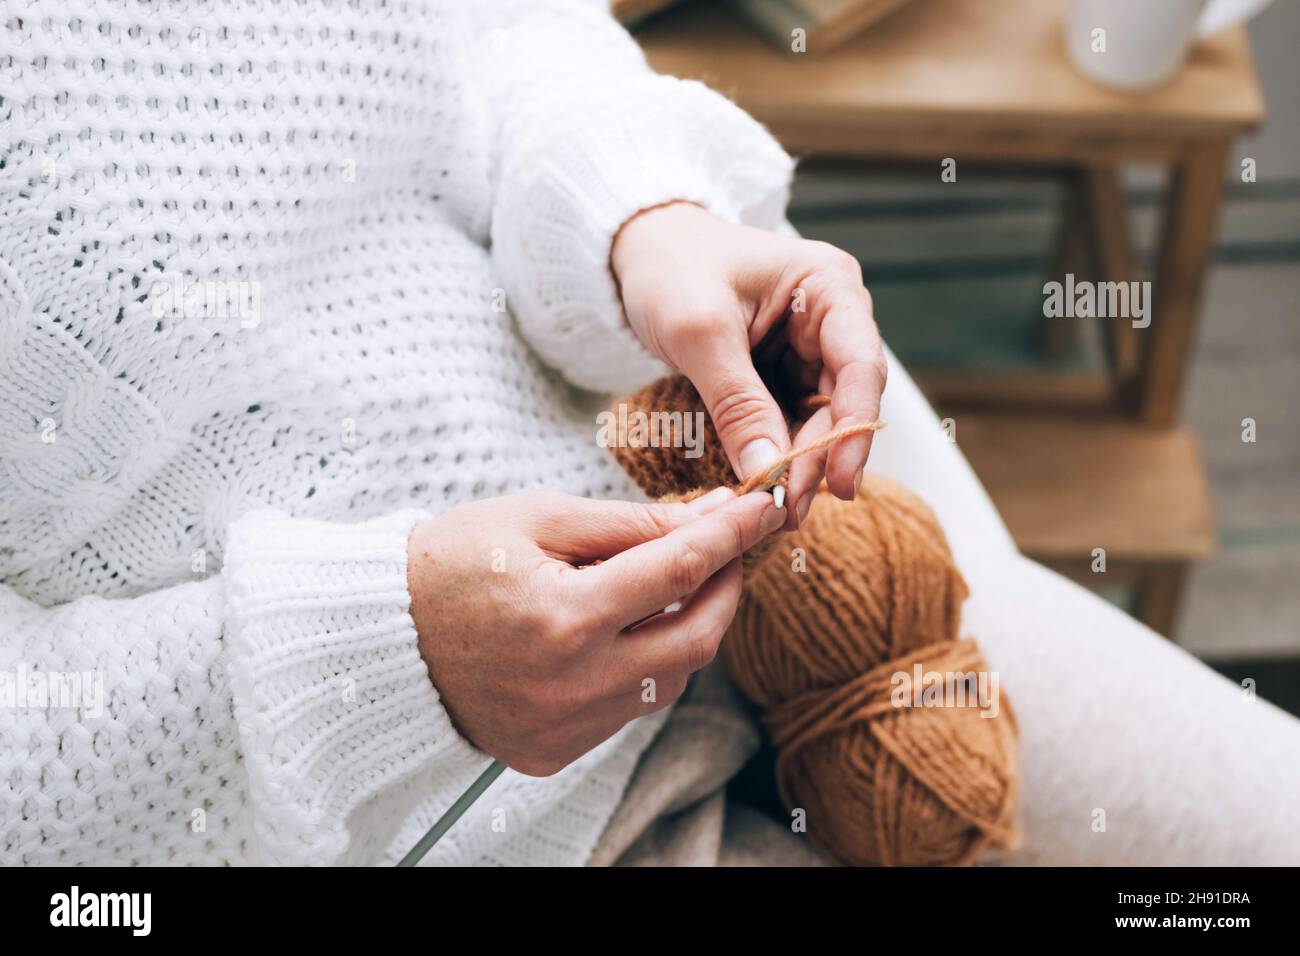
x=818, y=650
x=817, y=643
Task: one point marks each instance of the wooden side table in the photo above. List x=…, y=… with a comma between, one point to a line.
x=988, y=82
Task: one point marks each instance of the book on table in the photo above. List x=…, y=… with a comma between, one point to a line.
x=826, y=23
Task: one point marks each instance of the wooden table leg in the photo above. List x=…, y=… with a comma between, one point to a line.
x=1113, y=245
x=1073, y=253
x=1097, y=246
x=1160, y=597
x=1187, y=241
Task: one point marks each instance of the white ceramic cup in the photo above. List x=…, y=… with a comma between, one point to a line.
x=1144, y=41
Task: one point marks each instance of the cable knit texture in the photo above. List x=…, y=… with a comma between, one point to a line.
x=275, y=280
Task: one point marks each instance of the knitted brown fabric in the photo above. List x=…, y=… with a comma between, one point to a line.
x=668, y=469
x=833, y=618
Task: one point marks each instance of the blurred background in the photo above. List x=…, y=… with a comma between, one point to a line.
x=967, y=154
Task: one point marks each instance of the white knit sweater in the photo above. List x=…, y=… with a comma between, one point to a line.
x=276, y=278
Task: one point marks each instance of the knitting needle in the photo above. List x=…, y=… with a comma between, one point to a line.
x=769, y=483
x=466, y=799
x=453, y=813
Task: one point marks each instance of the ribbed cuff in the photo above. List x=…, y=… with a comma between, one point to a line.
x=658, y=140
x=333, y=700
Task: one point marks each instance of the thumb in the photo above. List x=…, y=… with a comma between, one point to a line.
x=748, y=420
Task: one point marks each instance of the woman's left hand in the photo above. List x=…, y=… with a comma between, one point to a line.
x=703, y=294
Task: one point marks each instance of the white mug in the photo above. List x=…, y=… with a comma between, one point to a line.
x=1139, y=44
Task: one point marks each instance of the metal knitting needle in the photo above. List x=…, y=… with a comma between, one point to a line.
x=453, y=813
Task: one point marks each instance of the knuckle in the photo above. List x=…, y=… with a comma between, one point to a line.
x=836, y=259
x=735, y=532
x=741, y=408
x=738, y=531
x=650, y=520
x=848, y=264
x=565, y=631
x=690, y=569
x=880, y=368
x=702, y=647
x=822, y=250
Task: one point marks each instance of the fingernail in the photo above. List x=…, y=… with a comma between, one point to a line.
x=804, y=504
x=857, y=482
x=757, y=457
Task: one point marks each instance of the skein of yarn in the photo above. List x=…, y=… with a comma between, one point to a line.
x=891, y=731
x=831, y=655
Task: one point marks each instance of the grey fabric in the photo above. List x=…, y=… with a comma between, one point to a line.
x=676, y=811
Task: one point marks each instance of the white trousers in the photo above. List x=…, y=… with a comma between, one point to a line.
x=1133, y=751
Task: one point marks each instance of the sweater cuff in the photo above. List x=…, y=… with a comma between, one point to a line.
x=333, y=700
x=666, y=139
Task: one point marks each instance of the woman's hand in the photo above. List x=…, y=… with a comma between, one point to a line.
x=703, y=294
x=525, y=638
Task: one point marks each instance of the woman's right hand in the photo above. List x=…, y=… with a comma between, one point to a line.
x=526, y=638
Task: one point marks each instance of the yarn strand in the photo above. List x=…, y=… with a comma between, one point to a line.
x=778, y=467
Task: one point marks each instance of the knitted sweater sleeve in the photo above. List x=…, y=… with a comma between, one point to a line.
x=583, y=135
x=287, y=688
